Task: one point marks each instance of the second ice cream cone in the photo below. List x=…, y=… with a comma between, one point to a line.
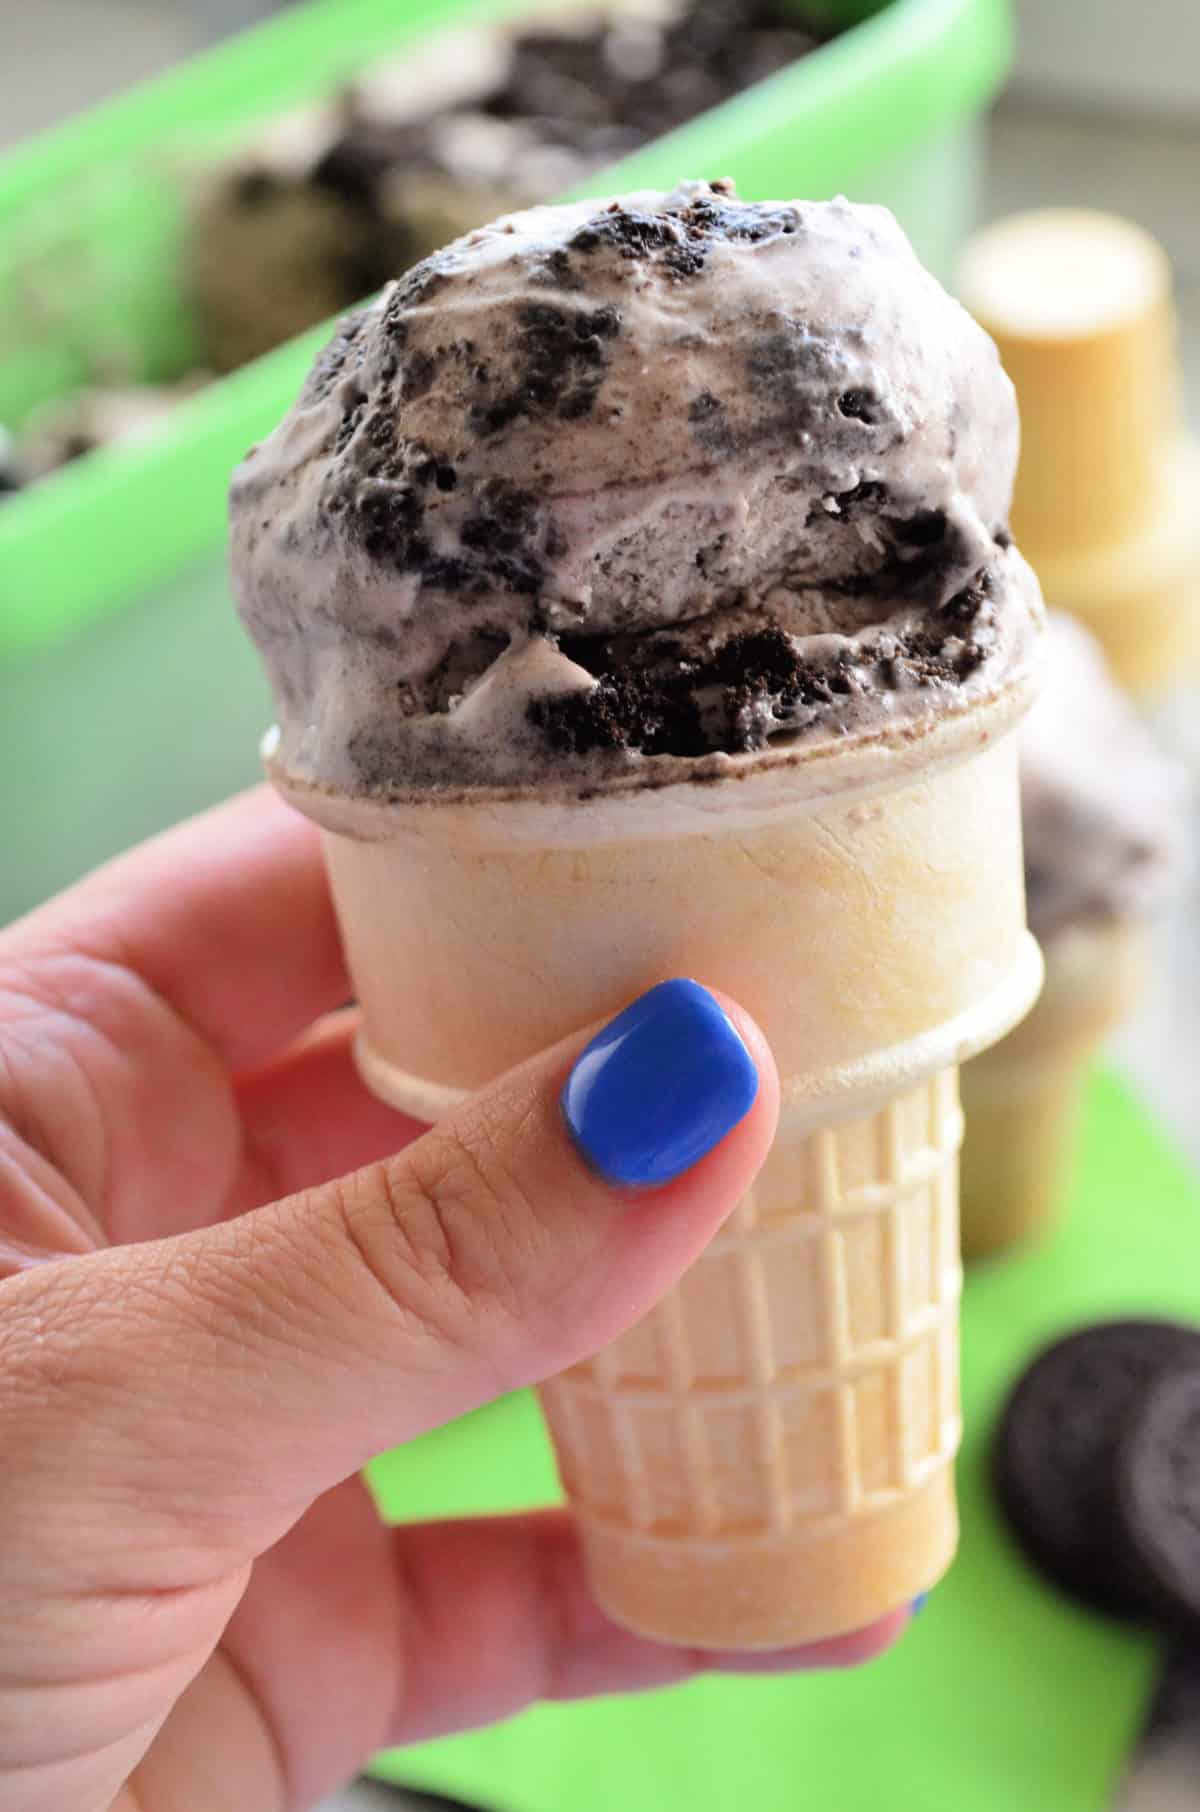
x=1106, y=501
x=768, y=1457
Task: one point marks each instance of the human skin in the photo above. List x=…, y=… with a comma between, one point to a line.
x=228, y=1277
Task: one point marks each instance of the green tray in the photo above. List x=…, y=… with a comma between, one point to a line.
x=1003, y=1698
x=91, y=217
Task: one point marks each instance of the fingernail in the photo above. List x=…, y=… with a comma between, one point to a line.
x=660, y=1086
x=919, y=1603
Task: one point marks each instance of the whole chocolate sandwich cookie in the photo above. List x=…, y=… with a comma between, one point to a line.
x=1055, y=1461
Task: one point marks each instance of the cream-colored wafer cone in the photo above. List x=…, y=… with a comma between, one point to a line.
x=1024, y=1097
x=1107, y=500
x=1141, y=597
x=767, y=1458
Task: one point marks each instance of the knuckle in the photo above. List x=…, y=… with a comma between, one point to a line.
x=458, y=1239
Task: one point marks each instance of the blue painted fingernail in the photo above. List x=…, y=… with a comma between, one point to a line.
x=660, y=1086
x=919, y=1603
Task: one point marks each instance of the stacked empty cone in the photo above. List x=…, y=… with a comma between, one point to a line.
x=799, y=1386
x=1107, y=500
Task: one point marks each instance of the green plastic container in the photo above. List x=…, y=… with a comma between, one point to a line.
x=128, y=694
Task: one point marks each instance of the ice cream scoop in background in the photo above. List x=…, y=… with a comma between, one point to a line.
x=635, y=587
x=1104, y=831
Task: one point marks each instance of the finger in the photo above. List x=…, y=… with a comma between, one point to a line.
x=227, y=918
x=497, y=1615
x=418, y=1632
x=304, y=1337
x=307, y=1118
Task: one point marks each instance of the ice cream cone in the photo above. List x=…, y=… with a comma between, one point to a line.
x=1024, y=1097
x=624, y=624
x=767, y=1458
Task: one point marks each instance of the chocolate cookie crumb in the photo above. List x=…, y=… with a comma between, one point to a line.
x=563, y=366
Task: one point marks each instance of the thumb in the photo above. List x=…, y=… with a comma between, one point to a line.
x=233, y=1374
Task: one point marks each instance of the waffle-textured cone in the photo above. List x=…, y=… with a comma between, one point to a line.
x=1024, y=1097
x=1140, y=597
x=1107, y=501
x=767, y=1458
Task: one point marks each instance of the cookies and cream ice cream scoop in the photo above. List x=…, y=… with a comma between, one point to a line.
x=606, y=491
x=1103, y=811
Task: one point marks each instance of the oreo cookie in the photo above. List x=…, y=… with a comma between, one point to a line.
x=1059, y=1455
x=1158, y=1498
